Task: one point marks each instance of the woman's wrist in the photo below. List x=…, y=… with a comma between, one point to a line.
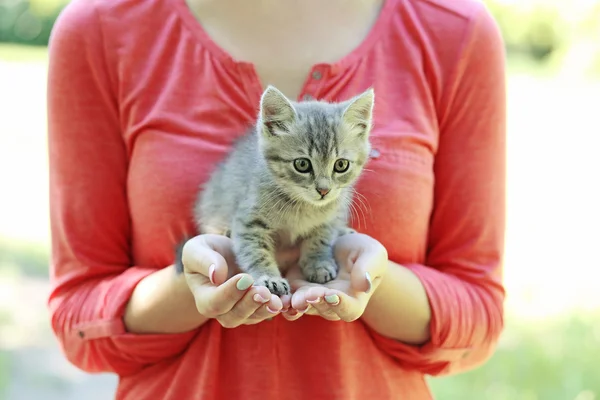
x=162, y=303
x=399, y=308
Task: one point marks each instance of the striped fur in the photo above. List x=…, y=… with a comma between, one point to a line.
x=259, y=198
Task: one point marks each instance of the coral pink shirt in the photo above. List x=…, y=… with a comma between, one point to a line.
x=142, y=104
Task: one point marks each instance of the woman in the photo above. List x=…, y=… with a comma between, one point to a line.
x=146, y=97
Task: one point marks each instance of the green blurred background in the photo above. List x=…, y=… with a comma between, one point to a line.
x=550, y=349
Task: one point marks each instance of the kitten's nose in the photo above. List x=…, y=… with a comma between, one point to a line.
x=322, y=191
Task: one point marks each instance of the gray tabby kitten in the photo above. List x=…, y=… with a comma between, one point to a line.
x=290, y=179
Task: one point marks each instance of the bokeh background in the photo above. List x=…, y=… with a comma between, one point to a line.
x=550, y=349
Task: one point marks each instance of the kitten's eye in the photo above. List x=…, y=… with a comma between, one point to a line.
x=302, y=165
x=341, y=165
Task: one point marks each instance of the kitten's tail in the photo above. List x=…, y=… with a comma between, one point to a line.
x=178, y=255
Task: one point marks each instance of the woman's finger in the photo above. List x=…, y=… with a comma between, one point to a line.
x=345, y=307
x=299, y=304
x=286, y=302
x=213, y=301
x=200, y=266
x=293, y=314
x=367, y=269
x=316, y=298
x=313, y=297
x=204, y=255
x=268, y=310
x=253, y=300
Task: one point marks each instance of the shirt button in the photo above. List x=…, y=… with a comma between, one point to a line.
x=81, y=334
x=317, y=75
x=374, y=153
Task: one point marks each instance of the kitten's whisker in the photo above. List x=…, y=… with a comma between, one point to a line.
x=362, y=204
x=288, y=207
x=363, y=200
x=279, y=202
x=354, y=215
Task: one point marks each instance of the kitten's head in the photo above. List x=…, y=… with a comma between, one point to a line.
x=315, y=150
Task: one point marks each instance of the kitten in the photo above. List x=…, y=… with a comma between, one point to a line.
x=289, y=179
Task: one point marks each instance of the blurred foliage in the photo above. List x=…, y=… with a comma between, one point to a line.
x=4, y=373
x=29, y=258
x=536, y=30
x=544, y=360
x=551, y=31
x=28, y=21
x=5, y=319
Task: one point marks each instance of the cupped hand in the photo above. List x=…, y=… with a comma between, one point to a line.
x=220, y=290
x=363, y=262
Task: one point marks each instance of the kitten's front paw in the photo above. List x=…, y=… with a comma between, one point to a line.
x=276, y=284
x=320, y=270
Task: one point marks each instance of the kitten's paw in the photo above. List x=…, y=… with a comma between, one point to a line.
x=276, y=284
x=320, y=270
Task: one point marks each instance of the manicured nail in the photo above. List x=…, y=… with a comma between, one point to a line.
x=368, y=276
x=333, y=299
x=272, y=311
x=211, y=273
x=259, y=299
x=244, y=283
x=317, y=301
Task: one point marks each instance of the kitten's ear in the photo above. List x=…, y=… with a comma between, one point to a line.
x=276, y=112
x=358, y=112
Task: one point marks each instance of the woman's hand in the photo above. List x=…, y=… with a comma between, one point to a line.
x=363, y=263
x=220, y=291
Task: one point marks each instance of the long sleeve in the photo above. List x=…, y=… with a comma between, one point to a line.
x=462, y=271
x=91, y=268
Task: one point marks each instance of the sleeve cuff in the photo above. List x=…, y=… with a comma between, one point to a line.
x=101, y=343
x=449, y=347
x=427, y=358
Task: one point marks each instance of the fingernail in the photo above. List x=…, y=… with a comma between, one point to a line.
x=272, y=311
x=332, y=299
x=317, y=301
x=244, y=283
x=368, y=276
x=211, y=273
x=259, y=299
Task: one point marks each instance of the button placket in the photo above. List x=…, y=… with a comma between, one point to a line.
x=375, y=154
x=312, y=84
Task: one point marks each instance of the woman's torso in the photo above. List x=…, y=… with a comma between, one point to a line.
x=183, y=98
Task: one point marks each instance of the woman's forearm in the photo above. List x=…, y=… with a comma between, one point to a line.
x=162, y=303
x=399, y=308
